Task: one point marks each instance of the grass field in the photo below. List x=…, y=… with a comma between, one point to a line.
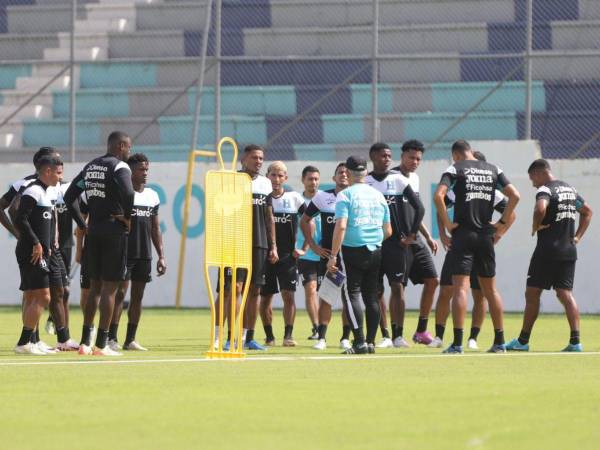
x=170, y=397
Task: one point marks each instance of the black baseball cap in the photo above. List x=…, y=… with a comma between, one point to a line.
x=356, y=163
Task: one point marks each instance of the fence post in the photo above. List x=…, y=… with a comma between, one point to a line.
x=375, y=74
x=528, y=84
x=72, y=82
x=218, y=72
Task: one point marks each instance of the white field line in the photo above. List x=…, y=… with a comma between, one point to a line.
x=54, y=362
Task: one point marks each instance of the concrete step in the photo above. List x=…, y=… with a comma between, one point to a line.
x=117, y=24
x=14, y=98
x=104, y=12
x=33, y=111
x=11, y=136
x=83, y=40
x=35, y=83
x=81, y=54
x=50, y=69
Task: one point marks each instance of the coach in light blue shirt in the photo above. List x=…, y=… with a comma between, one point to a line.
x=362, y=223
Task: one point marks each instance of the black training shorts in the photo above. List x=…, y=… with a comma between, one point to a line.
x=34, y=277
x=106, y=256
x=259, y=267
x=67, y=256
x=283, y=275
x=551, y=274
x=58, y=271
x=139, y=270
x=396, y=260
x=446, y=276
x=310, y=271
x=472, y=248
x=422, y=266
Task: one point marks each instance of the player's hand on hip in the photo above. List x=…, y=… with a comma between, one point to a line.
x=407, y=240
x=37, y=253
x=451, y=227
x=161, y=267
x=124, y=220
x=297, y=253
x=322, y=252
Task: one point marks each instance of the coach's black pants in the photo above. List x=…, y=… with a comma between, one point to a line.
x=362, y=275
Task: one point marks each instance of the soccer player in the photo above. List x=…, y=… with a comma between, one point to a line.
x=106, y=182
x=442, y=307
x=362, y=223
x=264, y=246
x=474, y=183
x=406, y=214
x=283, y=275
x=309, y=264
x=422, y=267
x=322, y=206
x=145, y=232
x=35, y=228
x=553, y=261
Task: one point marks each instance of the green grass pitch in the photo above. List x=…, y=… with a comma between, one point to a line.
x=170, y=398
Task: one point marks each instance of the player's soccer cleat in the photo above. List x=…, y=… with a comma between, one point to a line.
x=436, y=343
x=424, y=338
x=472, y=344
x=516, y=346
x=43, y=347
x=453, y=350
x=69, y=346
x=320, y=345
x=114, y=345
x=497, y=348
x=371, y=348
x=400, y=342
x=314, y=336
x=106, y=351
x=573, y=348
x=345, y=344
x=385, y=343
x=289, y=342
x=226, y=346
x=358, y=350
x=85, y=350
x=50, y=328
x=134, y=346
x=29, y=349
x=253, y=345
x=271, y=343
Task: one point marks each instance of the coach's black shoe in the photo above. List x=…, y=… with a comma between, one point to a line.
x=371, y=348
x=360, y=349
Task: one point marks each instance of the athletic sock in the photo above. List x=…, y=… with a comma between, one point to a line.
x=439, y=331
x=35, y=336
x=458, y=337
x=385, y=333
x=474, y=333
x=314, y=328
x=62, y=335
x=249, y=335
x=112, y=331
x=498, y=337
x=400, y=331
x=394, y=331
x=86, y=334
x=269, y=332
x=25, y=336
x=422, y=325
x=131, y=330
x=322, y=330
x=101, y=338
x=346, y=332
x=574, y=337
x=524, y=337
x=287, y=333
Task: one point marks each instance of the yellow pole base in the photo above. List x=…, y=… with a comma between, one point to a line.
x=224, y=355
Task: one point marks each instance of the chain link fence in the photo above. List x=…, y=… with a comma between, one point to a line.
x=299, y=76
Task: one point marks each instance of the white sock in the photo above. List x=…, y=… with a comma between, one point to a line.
x=216, y=331
x=244, y=334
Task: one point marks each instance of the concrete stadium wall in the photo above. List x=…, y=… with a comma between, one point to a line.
x=513, y=252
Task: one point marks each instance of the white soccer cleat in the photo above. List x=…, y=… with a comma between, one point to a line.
x=43, y=347
x=385, y=343
x=472, y=344
x=29, y=349
x=436, y=343
x=320, y=345
x=106, y=351
x=114, y=345
x=400, y=342
x=135, y=347
x=85, y=350
x=345, y=344
x=69, y=346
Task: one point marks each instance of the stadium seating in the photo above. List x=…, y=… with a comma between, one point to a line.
x=140, y=62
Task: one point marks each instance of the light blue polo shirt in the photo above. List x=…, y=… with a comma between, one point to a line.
x=366, y=211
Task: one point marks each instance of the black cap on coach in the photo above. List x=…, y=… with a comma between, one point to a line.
x=356, y=163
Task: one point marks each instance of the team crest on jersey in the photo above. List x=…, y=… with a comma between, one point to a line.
x=390, y=185
x=286, y=203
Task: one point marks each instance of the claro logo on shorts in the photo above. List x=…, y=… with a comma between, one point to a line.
x=47, y=215
x=330, y=219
